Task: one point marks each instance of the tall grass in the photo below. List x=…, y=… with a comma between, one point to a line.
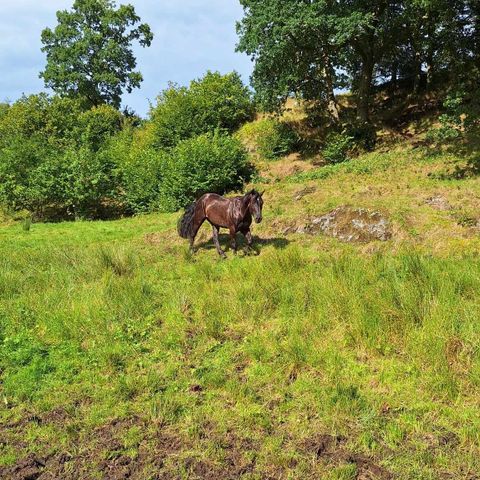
x=381, y=349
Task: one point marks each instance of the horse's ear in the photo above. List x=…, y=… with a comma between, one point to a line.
x=261, y=194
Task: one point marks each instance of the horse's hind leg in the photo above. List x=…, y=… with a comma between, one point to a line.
x=216, y=242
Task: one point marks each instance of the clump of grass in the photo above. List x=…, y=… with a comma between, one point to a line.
x=26, y=224
x=118, y=260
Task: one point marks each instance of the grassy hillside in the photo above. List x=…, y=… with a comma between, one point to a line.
x=123, y=356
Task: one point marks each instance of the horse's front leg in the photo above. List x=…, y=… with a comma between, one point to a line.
x=248, y=235
x=233, y=239
x=217, y=243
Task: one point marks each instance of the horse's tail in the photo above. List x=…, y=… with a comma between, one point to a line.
x=185, y=222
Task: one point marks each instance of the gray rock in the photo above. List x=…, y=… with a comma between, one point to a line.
x=350, y=224
x=439, y=203
x=302, y=193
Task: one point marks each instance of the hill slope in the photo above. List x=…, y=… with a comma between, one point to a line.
x=123, y=356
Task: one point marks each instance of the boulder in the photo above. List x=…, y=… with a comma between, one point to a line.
x=350, y=224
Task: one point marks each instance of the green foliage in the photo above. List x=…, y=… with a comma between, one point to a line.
x=61, y=159
x=364, y=136
x=97, y=125
x=460, y=117
x=206, y=163
x=50, y=159
x=269, y=137
x=139, y=167
x=336, y=147
x=89, y=53
x=214, y=101
x=309, y=48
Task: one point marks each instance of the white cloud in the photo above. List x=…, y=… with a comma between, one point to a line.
x=191, y=36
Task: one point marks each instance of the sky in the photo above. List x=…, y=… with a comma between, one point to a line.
x=191, y=37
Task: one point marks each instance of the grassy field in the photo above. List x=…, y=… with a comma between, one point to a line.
x=123, y=356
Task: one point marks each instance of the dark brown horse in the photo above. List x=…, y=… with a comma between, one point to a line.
x=233, y=213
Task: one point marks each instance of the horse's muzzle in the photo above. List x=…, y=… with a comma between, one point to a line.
x=258, y=219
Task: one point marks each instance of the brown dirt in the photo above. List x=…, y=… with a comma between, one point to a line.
x=160, y=454
x=332, y=449
x=163, y=452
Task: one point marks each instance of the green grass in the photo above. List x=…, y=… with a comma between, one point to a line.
x=117, y=344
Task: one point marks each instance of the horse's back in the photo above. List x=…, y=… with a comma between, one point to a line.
x=216, y=209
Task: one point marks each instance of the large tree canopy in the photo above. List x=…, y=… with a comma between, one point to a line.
x=310, y=47
x=89, y=53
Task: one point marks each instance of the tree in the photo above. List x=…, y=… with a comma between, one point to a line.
x=89, y=53
x=310, y=47
x=213, y=101
x=294, y=49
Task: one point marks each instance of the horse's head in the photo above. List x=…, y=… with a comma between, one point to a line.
x=255, y=205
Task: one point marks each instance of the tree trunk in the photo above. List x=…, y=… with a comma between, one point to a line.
x=418, y=72
x=332, y=105
x=430, y=52
x=394, y=79
x=364, y=90
x=430, y=71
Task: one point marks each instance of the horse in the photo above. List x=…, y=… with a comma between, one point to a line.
x=233, y=213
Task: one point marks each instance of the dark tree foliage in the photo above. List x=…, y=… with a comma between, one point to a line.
x=89, y=53
x=310, y=47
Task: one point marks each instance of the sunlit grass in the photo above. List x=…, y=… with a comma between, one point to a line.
x=256, y=354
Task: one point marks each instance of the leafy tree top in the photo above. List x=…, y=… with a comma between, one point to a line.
x=89, y=53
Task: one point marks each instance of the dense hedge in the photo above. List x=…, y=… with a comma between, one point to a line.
x=206, y=163
x=60, y=159
x=50, y=159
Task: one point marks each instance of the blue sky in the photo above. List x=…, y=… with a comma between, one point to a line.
x=191, y=37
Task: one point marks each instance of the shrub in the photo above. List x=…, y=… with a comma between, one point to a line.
x=206, y=163
x=214, y=101
x=364, y=136
x=139, y=167
x=50, y=157
x=461, y=116
x=269, y=137
x=336, y=147
x=97, y=125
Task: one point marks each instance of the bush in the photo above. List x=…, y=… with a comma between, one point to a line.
x=364, y=136
x=206, y=163
x=214, y=101
x=51, y=162
x=336, y=147
x=139, y=167
x=457, y=120
x=269, y=138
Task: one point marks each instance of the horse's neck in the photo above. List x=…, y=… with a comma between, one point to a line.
x=241, y=210
x=245, y=204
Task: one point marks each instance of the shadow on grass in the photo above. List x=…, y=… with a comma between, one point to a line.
x=469, y=150
x=258, y=243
